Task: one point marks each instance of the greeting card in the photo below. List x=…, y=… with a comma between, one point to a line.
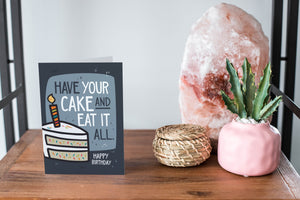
x=82, y=117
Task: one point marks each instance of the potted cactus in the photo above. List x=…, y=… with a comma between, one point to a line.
x=249, y=145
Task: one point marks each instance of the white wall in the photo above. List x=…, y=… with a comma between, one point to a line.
x=147, y=36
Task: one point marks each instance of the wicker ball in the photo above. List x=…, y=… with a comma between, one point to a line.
x=182, y=145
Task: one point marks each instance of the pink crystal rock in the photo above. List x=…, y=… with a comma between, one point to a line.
x=224, y=31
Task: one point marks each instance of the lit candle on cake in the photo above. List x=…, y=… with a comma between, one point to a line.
x=54, y=111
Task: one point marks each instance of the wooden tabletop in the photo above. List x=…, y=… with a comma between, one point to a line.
x=22, y=176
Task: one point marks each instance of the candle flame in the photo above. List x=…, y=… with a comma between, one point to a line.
x=51, y=98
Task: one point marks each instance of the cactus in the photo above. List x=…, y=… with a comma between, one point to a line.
x=248, y=101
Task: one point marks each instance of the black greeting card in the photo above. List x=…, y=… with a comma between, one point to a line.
x=82, y=118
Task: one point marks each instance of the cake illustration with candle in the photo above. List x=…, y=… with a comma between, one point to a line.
x=63, y=140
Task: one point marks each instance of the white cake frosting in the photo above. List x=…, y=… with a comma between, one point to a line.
x=64, y=128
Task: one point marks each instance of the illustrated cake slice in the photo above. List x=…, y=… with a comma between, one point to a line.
x=67, y=142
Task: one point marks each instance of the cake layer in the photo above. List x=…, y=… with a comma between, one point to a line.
x=78, y=156
x=50, y=140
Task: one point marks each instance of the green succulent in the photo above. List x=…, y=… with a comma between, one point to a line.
x=249, y=101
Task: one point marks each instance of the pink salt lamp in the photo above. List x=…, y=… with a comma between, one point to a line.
x=224, y=31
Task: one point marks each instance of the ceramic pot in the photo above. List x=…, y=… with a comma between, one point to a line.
x=249, y=149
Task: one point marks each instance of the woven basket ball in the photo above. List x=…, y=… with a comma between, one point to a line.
x=182, y=145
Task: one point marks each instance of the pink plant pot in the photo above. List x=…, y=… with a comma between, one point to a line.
x=249, y=149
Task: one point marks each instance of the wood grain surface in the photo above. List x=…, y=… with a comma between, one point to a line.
x=22, y=176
